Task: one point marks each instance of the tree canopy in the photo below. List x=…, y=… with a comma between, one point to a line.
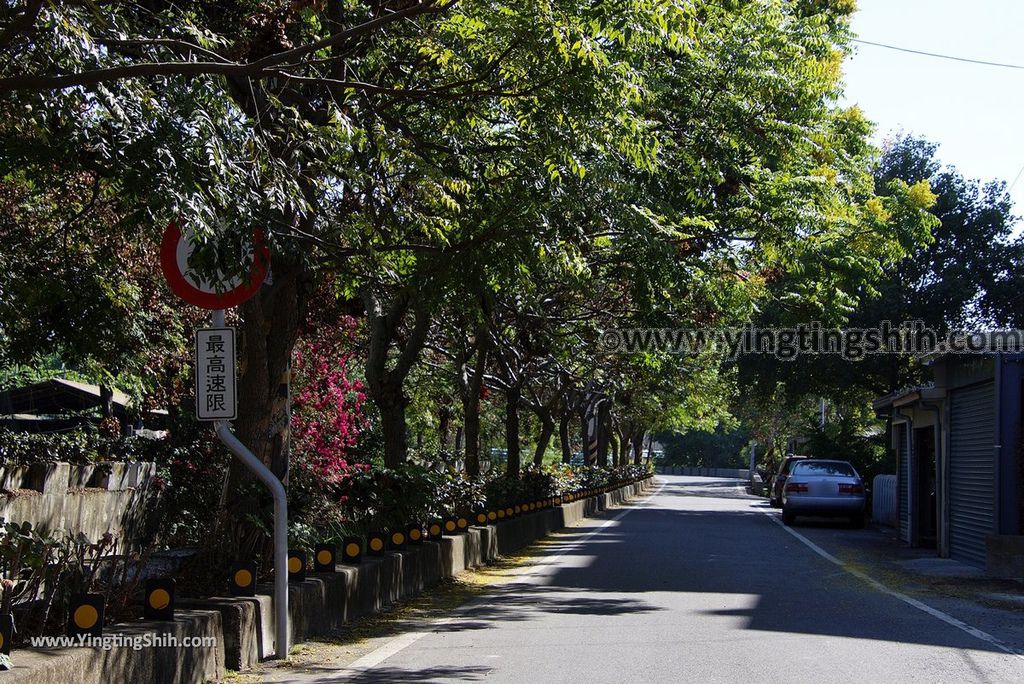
x=485, y=185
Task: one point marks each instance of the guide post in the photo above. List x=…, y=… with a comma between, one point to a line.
x=267, y=477
x=216, y=382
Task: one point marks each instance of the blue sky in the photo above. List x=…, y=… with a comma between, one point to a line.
x=974, y=112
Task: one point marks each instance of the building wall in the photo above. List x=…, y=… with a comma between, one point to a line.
x=1010, y=466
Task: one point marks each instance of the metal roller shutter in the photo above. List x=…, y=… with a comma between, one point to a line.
x=903, y=486
x=971, y=471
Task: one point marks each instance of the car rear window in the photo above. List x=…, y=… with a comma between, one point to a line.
x=788, y=465
x=834, y=468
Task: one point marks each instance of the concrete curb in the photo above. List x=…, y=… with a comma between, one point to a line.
x=324, y=602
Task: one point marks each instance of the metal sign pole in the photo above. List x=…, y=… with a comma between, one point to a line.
x=280, y=521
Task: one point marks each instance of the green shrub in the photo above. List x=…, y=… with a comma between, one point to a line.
x=40, y=570
x=374, y=497
x=80, y=447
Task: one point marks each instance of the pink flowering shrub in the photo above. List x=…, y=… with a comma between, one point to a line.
x=327, y=414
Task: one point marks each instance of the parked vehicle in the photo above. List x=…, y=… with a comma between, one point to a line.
x=825, y=488
x=779, y=479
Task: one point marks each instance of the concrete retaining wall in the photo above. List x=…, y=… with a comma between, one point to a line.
x=740, y=474
x=123, y=663
x=320, y=604
x=89, y=499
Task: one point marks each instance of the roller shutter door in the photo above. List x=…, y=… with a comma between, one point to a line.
x=971, y=471
x=903, y=486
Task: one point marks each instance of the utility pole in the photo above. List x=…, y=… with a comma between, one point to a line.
x=753, y=462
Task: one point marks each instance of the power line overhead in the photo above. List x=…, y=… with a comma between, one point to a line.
x=937, y=55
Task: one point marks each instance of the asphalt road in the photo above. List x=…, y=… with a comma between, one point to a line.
x=697, y=583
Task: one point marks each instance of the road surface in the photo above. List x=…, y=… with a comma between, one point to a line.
x=697, y=583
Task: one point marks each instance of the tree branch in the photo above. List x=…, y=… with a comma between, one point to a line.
x=22, y=23
x=258, y=69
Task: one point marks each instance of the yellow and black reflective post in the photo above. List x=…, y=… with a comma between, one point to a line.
x=396, y=540
x=325, y=557
x=414, y=533
x=85, y=615
x=242, y=581
x=296, y=565
x=6, y=633
x=352, y=550
x=375, y=544
x=435, y=529
x=159, y=599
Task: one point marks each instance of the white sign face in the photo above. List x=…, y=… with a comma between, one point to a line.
x=215, y=374
x=184, y=253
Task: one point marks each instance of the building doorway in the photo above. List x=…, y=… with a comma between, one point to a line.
x=924, y=497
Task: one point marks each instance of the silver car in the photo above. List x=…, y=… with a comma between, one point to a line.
x=819, y=487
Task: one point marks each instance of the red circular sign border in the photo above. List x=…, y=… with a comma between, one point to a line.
x=209, y=300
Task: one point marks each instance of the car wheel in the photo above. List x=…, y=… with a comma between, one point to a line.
x=857, y=521
x=788, y=518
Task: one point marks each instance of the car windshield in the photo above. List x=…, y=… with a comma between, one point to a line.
x=835, y=468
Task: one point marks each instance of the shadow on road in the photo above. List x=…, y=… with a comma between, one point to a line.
x=401, y=674
x=519, y=602
x=706, y=550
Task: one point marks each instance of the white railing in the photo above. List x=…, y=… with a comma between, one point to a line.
x=883, y=499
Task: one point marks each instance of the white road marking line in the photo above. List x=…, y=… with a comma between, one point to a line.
x=875, y=584
x=404, y=641
x=374, y=658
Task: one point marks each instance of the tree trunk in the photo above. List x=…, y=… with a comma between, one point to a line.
x=108, y=410
x=547, y=429
x=471, y=418
x=587, y=438
x=384, y=384
x=444, y=424
x=638, y=447
x=603, y=432
x=563, y=436
x=512, y=432
x=396, y=432
x=268, y=331
x=470, y=381
x=106, y=401
x=472, y=386
x=624, y=432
